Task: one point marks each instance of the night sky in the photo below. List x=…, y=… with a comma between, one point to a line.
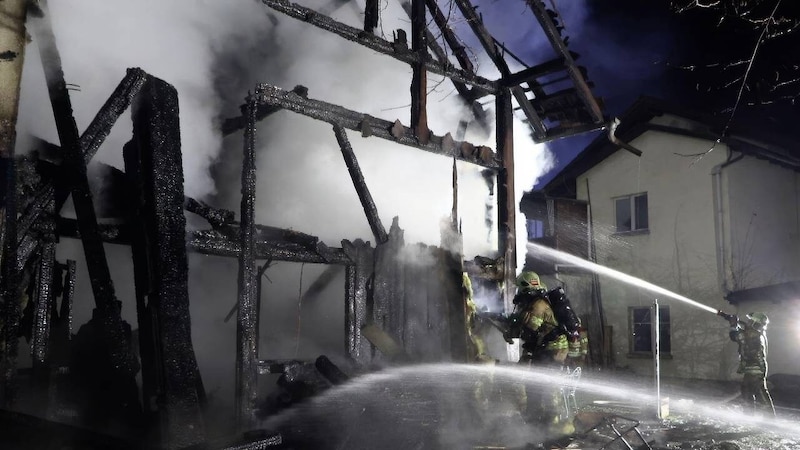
x=633, y=48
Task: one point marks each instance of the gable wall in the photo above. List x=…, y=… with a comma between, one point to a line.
x=678, y=252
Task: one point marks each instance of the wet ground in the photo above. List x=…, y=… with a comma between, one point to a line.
x=463, y=407
x=703, y=415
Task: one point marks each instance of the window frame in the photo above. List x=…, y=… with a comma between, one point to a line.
x=633, y=213
x=665, y=329
x=537, y=225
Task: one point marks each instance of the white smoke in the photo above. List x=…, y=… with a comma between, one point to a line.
x=174, y=41
x=303, y=182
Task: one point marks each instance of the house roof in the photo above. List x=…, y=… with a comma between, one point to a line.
x=635, y=121
x=777, y=293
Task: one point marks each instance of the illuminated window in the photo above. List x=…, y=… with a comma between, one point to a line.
x=640, y=324
x=535, y=229
x=631, y=213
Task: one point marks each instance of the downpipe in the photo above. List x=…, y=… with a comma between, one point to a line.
x=719, y=219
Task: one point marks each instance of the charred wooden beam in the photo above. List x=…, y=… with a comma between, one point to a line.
x=560, y=47
x=371, y=15
x=419, y=77
x=12, y=41
x=564, y=98
x=360, y=184
x=43, y=309
x=117, y=103
x=154, y=159
x=74, y=162
x=247, y=319
x=562, y=132
x=110, y=233
x=234, y=124
x=259, y=277
x=378, y=44
x=68, y=298
x=27, y=249
x=487, y=41
x=330, y=371
x=506, y=199
x=212, y=242
x=95, y=133
x=265, y=233
x=533, y=85
x=372, y=126
x=454, y=210
x=42, y=205
x=450, y=37
x=146, y=308
x=216, y=217
x=43, y=299
x=438, y=51
x=322, y=282
x=357, y=304
x=468, y=95
x=533, y=72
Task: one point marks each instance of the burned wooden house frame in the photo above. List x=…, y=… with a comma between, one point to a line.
x=154, y=224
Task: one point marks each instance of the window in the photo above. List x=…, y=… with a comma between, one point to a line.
x=631, y=213
x=640, y=324
x=535, y=229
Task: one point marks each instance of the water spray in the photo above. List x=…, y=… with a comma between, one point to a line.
x=630, y=279
x=383, y=406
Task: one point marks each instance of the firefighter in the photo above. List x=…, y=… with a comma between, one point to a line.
x=544, y=344
x=751, y=335
x=476, y=346
x=543, y=339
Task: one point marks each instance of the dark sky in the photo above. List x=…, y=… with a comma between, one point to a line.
x=634, y=47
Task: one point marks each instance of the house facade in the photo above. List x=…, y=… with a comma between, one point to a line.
x=714, y=221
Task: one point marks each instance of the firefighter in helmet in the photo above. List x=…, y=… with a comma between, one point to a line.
x=533, y=321
x=544, y=344
x=751, y=335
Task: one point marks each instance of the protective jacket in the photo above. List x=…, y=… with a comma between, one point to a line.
x=752, y=349
x=543, y=339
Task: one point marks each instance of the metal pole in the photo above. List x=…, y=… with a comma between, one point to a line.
x=657, y=355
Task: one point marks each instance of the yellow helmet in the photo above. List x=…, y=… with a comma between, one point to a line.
x=529, y=281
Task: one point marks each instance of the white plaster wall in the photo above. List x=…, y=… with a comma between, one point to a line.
x=764, y=239
x=678, y=252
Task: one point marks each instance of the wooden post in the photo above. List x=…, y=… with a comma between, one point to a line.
x=247, y=319
x=371, y=15
x=419, y=80
x=506, y=199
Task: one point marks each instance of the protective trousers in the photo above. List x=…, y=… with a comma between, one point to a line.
x=755, y=393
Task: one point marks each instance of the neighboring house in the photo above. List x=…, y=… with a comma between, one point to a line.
x=715, y=221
